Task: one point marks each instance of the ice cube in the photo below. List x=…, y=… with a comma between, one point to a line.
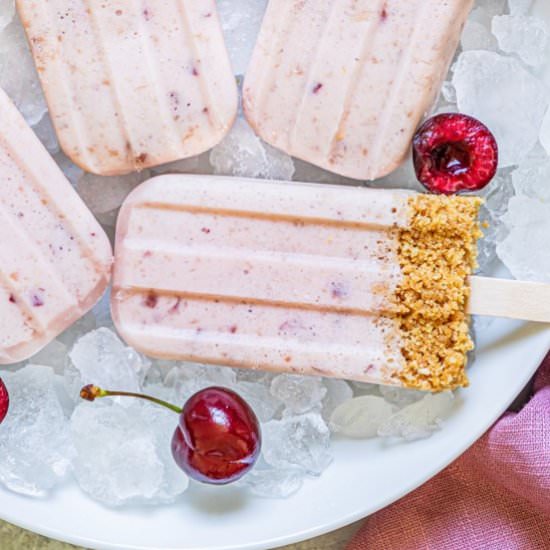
x=298, y=442
x=360, y=417
x=71, y=170
x=400, y=397
x=102, y=310
x=496, y=195
x=192, y=165
x=532, y=181
x=519, y=7
x=523, y=35
x=241, y=20
x=526, y=249
x=420, y=419
x=7, y=13
x=101, y=358
x=338, y=391
x=35, y=445
x=18, y=75
x=476, y=34
x=46, y=133
x=311, y=173
x=492, y=7
x=258, y=396
x=123, y=453
x=448, y=92
x=298, y=393
x=544, y=136
x=272, y=483
x=487, y=86
x=76, y=330
x=185, y=379
x=105, y=194
x=53, y=355
x=403, y=177
x=364, y=388
x=242, y=153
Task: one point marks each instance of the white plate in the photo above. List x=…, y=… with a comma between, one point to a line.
x=364, y=477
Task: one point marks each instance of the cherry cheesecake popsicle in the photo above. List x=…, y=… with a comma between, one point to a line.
x=343, y=84
x=354, y=283
x=55, y=259
x=132, y=84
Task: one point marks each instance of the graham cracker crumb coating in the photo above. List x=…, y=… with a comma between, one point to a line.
x=437, y=253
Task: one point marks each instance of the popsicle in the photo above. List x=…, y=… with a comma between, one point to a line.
x=55, y=259
x=132, y=84
x=344, y=85
x=355, y=283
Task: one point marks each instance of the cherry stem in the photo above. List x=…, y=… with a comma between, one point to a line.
x=91, y=393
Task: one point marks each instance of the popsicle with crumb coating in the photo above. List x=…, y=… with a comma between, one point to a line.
x=354, y=283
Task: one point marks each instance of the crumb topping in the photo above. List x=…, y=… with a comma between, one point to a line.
x=437, y=254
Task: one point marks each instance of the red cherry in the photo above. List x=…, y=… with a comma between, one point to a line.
x=4, y=401
x=453, y=152
x=218, y=439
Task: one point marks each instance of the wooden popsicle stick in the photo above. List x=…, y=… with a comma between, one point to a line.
x=511, y=299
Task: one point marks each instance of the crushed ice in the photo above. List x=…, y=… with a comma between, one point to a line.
x=502, y=50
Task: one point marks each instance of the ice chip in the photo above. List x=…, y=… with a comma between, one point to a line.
x=523, y=35
x=298, y=442
x=519, y=7
x=183, y=380
x=476, y=36
x=241, y=20
x=448, y=92
x=338, y=392
x=487, y=87
x=72, y=172
x=35, y=445
x=102, y=359
x=105, y=194
x=298, y=393
x=360, y=417
x=527, y=221
x=18, y=75
x=46, y=133
x=545, y=132
x=53, y=355
x=420, y=419
x=123, y=453
x=272, y=483
x=492, y=7
x=400, y=397
x=102, y=310
x=7, y=13
x=242, y=153
x=258, y=396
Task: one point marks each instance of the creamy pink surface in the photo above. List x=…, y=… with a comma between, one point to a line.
x=55, y=259
x=132, y=83
x=280, y=276
x=344, y=83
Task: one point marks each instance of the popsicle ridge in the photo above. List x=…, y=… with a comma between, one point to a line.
x=131, y=84
x=437, y=253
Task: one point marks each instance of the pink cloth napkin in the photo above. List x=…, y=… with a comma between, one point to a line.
x=495, y=496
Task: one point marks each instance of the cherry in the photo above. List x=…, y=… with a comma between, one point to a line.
x=4, y=401
x=453, y=152
x=218, y=438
